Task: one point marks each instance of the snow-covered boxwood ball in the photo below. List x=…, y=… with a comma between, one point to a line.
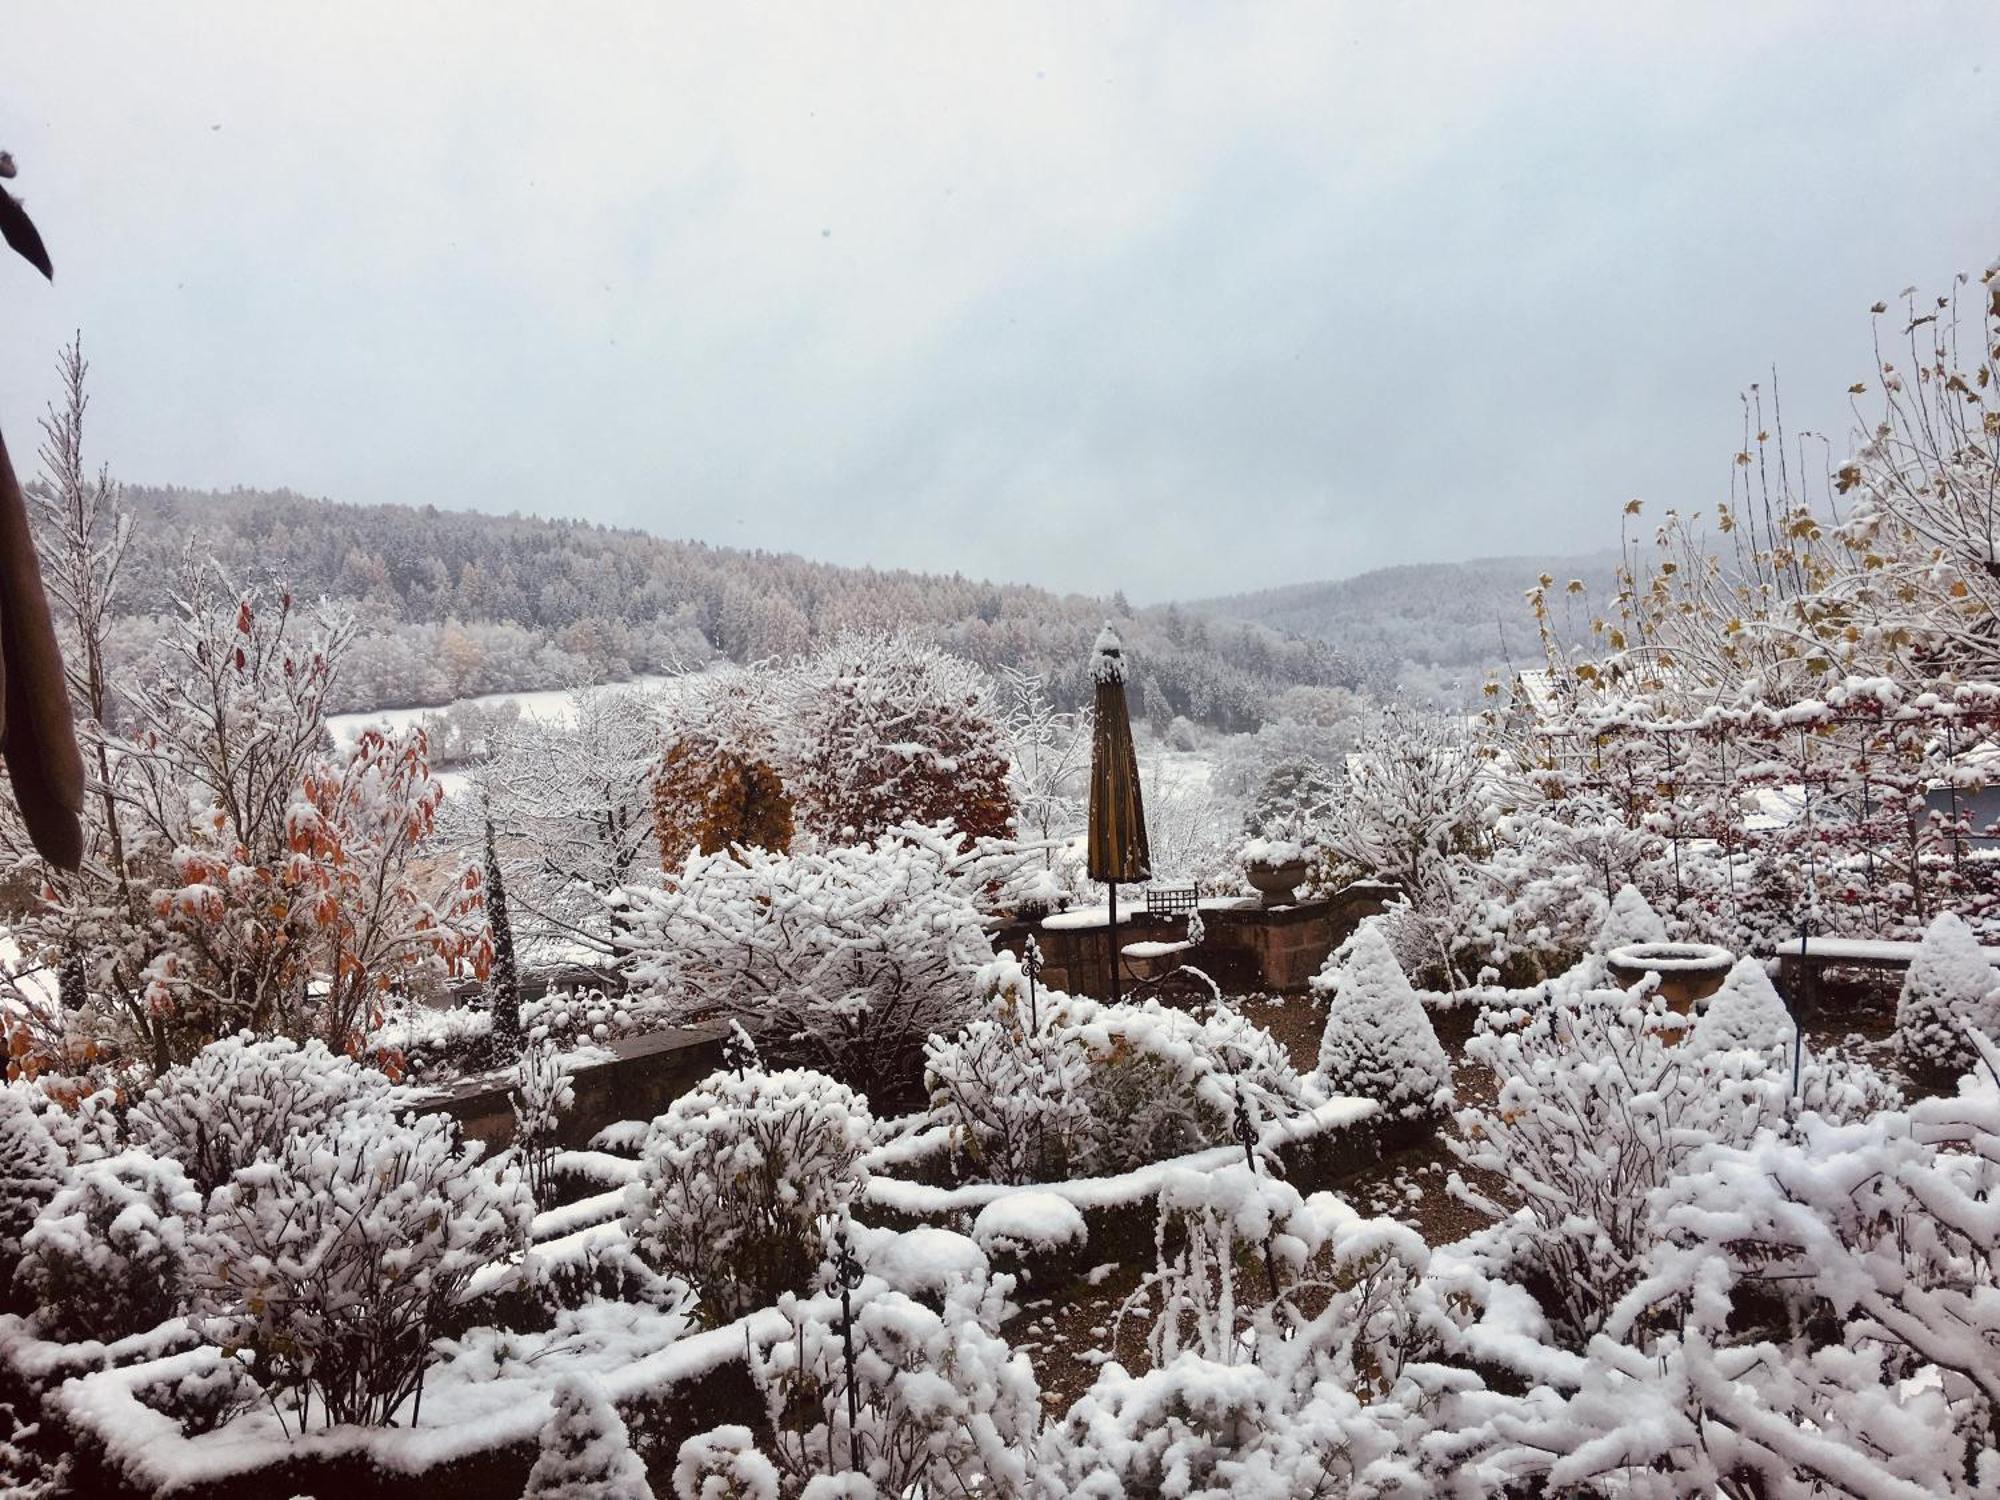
x=501, y=1003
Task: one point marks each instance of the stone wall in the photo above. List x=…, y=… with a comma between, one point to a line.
x=1247, y=947
x=643, y=1076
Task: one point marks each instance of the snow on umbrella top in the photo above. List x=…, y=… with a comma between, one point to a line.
x=1116, y=847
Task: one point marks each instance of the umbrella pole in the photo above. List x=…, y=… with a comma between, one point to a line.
x=1112, y=886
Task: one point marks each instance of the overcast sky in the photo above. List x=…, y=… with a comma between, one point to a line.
x=1178, y=298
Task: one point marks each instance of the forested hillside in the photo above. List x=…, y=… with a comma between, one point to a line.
x=455, y=604
x=1456, y=615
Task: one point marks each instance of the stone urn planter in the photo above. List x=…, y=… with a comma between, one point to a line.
x=1274, y=883
x=1689, y=972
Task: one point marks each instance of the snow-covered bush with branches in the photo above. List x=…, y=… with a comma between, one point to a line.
x=541, y=1093
x=1950, y=985
x=1597, y=1108
x=240, y=1099
x=946, y=1407
x=842, y=959
x=1745, y=1013
x=1076, y=1087
x=724, y=1463
x=107, y=1255
x=585, y=1451
x=1379, y=1042
x=335, y=1263
x=739, y=1180
x=31, y=1168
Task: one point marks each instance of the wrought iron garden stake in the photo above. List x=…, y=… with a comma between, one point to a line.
x=1246, y=1132
x=1031, y=965
x=847, y=1275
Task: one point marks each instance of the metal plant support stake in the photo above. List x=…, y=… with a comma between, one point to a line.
x=1031, y=965
x=847, y=1276
x=1246, y=1132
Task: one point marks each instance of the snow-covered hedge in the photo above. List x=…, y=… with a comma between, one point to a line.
x=843, y=960
x=241, y=1099
x=1072, y=1087
x=335, y=1261
x=1950, y=985
x=107, y=1255
x=1379, y=1043
x=739, y=1179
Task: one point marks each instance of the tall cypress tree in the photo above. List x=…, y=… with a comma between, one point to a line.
x=503, y=984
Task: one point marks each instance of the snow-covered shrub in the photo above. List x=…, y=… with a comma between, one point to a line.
x=239, y=1100
x=1630, y=920
x=946, y=1408
x=845, y=959
x=1597, y=1108
x=724, y=1464
x=26, y=1471
x=1031, y=1223
x=1745, y=1013
x=1083, y=1088
x=336, y=1261
x=1230, y=1245
x=586, y=1453
x=31, y=1169
x=203, y=1396
x=107, y=1256
x=739, y=1179
x=541, y=1093
x=1379, y=1042
x=89, y=1128
x=1279, y=1399
x=1950, y=985
x=1819, y=1314
x=1012, y=1083
x=572, y=1016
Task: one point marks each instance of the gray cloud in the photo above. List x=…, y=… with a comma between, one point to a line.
x=1180, y=299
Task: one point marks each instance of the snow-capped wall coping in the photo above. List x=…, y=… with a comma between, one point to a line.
x=923, y=1200
x=1084, y=918
x=1860, y=950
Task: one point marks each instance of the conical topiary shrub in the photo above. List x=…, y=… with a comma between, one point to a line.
x=1746, y=1013
x=1379, y=1043
x=1629, y=920
x=1950, y=984
x=586, y=1451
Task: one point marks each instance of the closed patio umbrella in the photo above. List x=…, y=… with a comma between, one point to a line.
x=1116, y=847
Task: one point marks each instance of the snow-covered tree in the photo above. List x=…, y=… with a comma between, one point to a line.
x=107, y=1255
x=739, y=1179
x=1745, y=1013
x=339, y=1262
x=1379, y=1043
x=586, y=1453
x=503, y=979
x=719, y=785
x=1951, y=984
x=1048, y=752
x=571, y=800
x=883, y=730
x=241, y=1100
x=845, y=959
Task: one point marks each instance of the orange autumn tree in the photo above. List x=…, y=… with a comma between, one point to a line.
x=717, y=786
x=283, y=886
